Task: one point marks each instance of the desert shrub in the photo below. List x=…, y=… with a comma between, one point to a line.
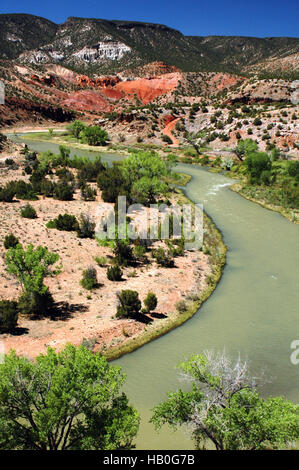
x=8, y=315
x=10, y=241
x=35, y=303
x=89, y=279
x=65, y=222
x=114, y=273
x=150, y=301
x=47, y=187
x=63, y=191
x=101, y=261
x=139, y=252
x=24, y=190
x=86, y=226
x=28, y=170
x=129, y=304
x=65, y=175
x=166, y=139
x=88, y=193
x=257, y=122
x=7, y=193
x=181, y=306
x=123, y=254
x=162, y=258
x=38, y=176
x=31, y=156
x=28, y=212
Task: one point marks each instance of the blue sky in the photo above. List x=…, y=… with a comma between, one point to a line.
x=194, y=17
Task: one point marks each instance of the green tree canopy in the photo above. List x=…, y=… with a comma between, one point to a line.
x=75, y=128
x=144, y=171
x=256, y=163
x=224, y=407
x=94, y=135
x=30, y=266
x=62, y=401
x=245, y=147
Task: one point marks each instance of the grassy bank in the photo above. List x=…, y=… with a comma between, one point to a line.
x=258, y=195
x=214, y=246
x=69, y=141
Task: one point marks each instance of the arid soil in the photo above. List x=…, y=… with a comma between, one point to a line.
x=170, y=125
x=84, y=314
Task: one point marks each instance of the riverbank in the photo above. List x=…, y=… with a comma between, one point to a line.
x=72, y=143
x=84, y=316
x=216, y=249
x=291, y=214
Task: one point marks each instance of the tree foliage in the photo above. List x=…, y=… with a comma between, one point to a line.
x=69, y=400
x=30, y=266
x=129, y=304
x=224, y=407
x=94, y=135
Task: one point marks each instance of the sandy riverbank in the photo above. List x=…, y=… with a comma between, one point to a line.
x=85, y=315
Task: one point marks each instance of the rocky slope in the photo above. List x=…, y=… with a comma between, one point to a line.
x=97, y=45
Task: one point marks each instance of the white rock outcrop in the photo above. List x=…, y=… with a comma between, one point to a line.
x=110, y=50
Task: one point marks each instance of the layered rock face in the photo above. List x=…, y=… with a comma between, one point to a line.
x=104, y=50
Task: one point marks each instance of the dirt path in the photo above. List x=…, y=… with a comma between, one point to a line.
x=167, y=131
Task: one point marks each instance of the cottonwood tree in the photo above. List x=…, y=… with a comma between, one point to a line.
x=30, y=266
x=64, y=401
x=223, y=407
x=197, y=140
x=244, y=148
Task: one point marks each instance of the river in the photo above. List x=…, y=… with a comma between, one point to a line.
x=254, y=310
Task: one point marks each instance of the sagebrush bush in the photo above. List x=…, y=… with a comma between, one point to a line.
x=86, y=227
x=65, y=222
x=10, y=241
x=181, y=306
x=101, y=261
x=7, y=193
x=162, y=258
x=28, y=212
x=89, y=279
x=63, y=191
x=151, y=301
x=88, y=193
x=114, y=273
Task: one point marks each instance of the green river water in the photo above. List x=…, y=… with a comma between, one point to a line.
x=253, y=311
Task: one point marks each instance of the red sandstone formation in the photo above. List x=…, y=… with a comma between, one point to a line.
x=87, y=100
x=147, y=89
x=47, y=80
